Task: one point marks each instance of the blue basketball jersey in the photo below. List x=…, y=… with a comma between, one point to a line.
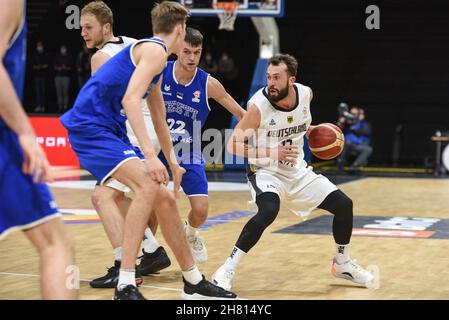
x=187, y=110
x=14, y=61
x=99, y=103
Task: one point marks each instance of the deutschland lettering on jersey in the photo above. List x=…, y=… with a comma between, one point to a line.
x=286, y=132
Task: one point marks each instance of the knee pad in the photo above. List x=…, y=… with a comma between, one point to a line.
x=269, y=205
x=338, y=204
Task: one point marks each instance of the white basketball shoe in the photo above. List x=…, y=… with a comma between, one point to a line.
x=350, y=270
x=223, y=277
x=197, y=246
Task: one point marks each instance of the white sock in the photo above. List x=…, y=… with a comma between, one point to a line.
x=235, y=258
x=150, y=243
x=118, y=254
x=127, y=277
x=342, y=254
x=190, y=231
x=193, y=275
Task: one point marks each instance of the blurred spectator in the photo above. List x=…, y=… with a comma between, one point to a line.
x=63, y=66
x=208, y=64
x=83, y=66
x=41, y=63
x=357, y=132
x=227, y=68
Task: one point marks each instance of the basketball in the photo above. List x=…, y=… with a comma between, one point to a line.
x=326, y=141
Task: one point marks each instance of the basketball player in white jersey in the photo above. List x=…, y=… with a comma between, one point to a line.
x=97, y=31
x=278, y=117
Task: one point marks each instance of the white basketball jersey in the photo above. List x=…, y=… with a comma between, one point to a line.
x=281, y=127
x=114, y=47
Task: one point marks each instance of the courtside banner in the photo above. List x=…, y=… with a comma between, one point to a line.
x=52, y=136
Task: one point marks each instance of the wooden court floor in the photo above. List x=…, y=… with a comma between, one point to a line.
x=282, y=265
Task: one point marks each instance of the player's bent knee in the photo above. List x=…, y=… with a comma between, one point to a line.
x=201, y=210
x=342, y=205
x=269, y=204
x=102, y=195
x=166, y=195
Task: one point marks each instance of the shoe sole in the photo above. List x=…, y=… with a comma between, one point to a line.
x=113, y=285
x=350, y=279
x=197, y=296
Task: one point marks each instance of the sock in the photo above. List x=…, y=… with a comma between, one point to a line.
x=234, y=258
x=342, y=254
x=118, y=254
x=150, y=243
x=190, y=231
x=193, y=275
x=127, y=277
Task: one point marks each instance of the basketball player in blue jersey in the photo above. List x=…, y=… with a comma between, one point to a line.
x=109, y=201
x=186, y=90
x=26, y=203
x=97, y=132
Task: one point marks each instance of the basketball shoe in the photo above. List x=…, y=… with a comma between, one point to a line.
x=197, y=246
x=223, y=277
x=205, y=290
x=151, y=263
x=350, y=270
x=110, y=280
x=128, y=293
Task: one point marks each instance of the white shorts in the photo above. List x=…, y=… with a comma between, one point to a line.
x=114, y=184
x=300, y=196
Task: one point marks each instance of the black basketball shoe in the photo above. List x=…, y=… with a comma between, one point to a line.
x=128, y=293
x=153, y=262
x=110, y=280
x=205, y=290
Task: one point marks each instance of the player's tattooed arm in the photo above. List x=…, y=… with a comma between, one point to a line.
x=216, y=91
x=245, y=130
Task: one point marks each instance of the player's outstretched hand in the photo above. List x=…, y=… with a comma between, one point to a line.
x=35, y=162
x=157, y=170
x=177, y=172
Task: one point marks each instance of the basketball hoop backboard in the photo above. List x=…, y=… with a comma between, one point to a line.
x=247, y=8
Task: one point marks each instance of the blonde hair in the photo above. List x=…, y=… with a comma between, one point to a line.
x=101, y=11
x=166, y=15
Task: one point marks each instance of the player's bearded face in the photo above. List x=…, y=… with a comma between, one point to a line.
x=92, y=31
x=277, y=94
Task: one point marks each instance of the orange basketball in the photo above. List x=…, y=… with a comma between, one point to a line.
x=326, y=141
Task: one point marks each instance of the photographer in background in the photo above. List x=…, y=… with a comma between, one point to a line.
x=357, y=131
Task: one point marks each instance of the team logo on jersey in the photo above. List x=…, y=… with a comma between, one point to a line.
x=290, y=119
x=179, y=95
x=272, y=122
x=304, y=111
x=167, y=87
x=196, y=96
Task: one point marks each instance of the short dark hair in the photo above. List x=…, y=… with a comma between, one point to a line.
x=193, y=37
x=166, y=15
x=289, y=60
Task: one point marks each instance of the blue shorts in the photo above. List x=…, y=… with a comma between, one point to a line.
x=23, y=204
x=102, y=152
x=194, y=181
